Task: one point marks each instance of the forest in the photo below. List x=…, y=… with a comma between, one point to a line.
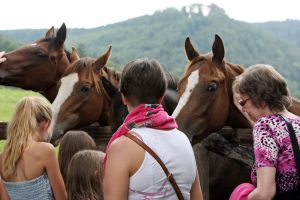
x=161, y=36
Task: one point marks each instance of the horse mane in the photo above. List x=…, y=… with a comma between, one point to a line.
x=112, y=73
x=237, y=68
x=172, y=80
x=68, y=54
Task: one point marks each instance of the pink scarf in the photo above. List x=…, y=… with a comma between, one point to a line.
x=144, y=115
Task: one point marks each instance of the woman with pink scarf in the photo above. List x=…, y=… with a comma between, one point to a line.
x=130, y=171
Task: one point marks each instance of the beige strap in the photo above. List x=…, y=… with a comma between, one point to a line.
x=163, y=166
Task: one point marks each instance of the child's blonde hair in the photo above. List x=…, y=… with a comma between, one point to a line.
x=28, y=114
x=84, y=175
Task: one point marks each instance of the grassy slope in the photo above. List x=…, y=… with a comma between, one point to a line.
x=9, y=98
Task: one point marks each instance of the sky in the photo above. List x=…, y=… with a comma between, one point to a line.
x=19, y=14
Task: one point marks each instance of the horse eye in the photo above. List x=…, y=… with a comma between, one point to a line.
x=85, y=88
x=41, y=54
x=212, y=87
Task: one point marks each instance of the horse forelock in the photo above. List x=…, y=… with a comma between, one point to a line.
x=84, y=67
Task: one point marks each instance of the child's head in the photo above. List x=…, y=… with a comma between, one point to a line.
x=31, y=119
x=143, y=81
x=84, y=175
x=71, y=143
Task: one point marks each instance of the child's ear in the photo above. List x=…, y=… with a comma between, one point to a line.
x=44, y=125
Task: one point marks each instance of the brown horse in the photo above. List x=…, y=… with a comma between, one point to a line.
x=205, y=92
x=206, y=97
x=81, y=99
x=206, y=105
x=37, y=66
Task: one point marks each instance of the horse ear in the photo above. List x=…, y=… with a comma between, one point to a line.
x=50, y=33
x=61, y=35
x=102, y=60
x=109, y=88
x=218, y=50
x=190, y=51
x=74, y=55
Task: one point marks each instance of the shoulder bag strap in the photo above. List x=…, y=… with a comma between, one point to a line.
x=295, y=145
x=157, y=158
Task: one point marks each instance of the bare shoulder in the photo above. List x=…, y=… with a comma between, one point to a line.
x=43, y=148
x=122, y=145
x=126, y=152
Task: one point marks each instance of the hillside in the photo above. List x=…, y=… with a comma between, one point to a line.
x=288, y=29
x=7, y=44
x=161, y=36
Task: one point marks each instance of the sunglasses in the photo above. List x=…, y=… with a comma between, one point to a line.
x=243, y=102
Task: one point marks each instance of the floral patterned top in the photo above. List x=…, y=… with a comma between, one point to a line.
x=272, y=148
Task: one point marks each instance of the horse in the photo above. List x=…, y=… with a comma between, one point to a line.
x=37, y=66
x=206, y=105
x=81, y=99
x=206, y=96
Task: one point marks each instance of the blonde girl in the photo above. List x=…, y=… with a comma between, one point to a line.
x=29, y=167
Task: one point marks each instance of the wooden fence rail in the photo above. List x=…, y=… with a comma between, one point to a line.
x=101, y=135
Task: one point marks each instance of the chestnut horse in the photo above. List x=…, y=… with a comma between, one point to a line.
x=37, y=66
x=81, y=99
x=206, y=105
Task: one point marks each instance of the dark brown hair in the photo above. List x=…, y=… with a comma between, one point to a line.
x=143, y=81
x=84, y=176
x=262, y=83
x=71, y=143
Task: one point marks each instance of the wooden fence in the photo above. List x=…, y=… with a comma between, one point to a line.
x=101, y=135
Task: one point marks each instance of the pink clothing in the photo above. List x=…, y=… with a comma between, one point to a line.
x=272, y=148
x=242, y=191
x=144, y=115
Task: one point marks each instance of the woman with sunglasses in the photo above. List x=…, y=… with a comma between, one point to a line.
x=262, y=95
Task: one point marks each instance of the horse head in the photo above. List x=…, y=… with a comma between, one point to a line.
x=81, y=99
x=206, y=102
x=37, y=66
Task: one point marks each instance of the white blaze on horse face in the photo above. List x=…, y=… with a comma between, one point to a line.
x=192, y=82
x=65, y=90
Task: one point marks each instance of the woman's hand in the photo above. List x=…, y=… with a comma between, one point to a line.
x=236, y=99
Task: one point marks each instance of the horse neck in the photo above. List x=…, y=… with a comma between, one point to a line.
x=235, y=118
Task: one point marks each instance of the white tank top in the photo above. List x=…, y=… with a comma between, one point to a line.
x=174, y=149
